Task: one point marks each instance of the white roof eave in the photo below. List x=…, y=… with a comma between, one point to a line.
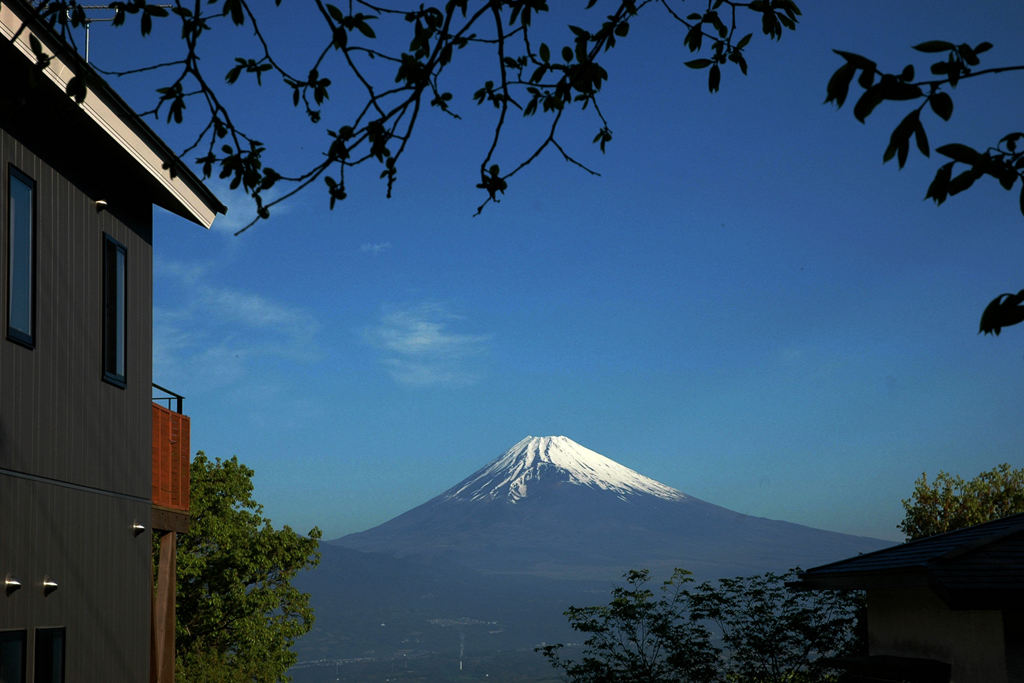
x=190, y=204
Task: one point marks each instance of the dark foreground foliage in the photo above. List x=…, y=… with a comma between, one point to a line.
x=741, y=629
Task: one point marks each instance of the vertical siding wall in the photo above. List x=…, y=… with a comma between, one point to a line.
x=58, y=419
x=74, y=450
x=85, y=543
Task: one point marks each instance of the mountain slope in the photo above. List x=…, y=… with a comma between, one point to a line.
x=551, y=507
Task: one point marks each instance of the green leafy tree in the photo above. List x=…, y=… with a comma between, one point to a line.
x=774, y=635
x=238, y=614
x=768, y=633
x=949, y=502
x=639, y=636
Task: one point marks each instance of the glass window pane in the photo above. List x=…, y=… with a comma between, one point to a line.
x=49, y=655
x=119, y=350
x=115, y=311
x=21, y=225
x=12, y=656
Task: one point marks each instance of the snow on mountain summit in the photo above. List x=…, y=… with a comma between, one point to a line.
x=554, y=457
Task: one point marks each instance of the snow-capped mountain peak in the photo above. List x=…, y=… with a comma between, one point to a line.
x=512, y=475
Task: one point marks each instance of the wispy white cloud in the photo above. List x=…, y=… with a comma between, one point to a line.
x=220, y=335
x=421, y=348
x=375, y=248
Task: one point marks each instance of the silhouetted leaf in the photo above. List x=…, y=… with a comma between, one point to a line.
x=694, y=38
x=899, y=141
x=35, y=45
x=893, y=89
x=890, y=149
x=335, y=13
x=856, y=60
x=871, y=98
x=339, y=37
x=839, y=84
x=698, y=63
x=1003, y=311
x=921, y=138
x=740, y=61
x=76, y=89
x=866, y=78
x=1010, y=140
x=1006, y=176
x=953, y=70
x=942, y=105
x=363, y=27
x=234, y=72
x=959, y=152
x=235, y=9
x=967, y=54
x=964, y=180
x=934, y=46
x=714, y=78
x=938, y=190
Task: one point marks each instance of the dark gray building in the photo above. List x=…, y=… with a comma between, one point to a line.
x=77, y=440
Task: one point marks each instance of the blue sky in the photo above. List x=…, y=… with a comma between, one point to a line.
x=746, y=305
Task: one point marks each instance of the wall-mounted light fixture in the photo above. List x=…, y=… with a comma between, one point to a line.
x=11, y=584
x=101, y=204
x=138, y=528
x=49, y=585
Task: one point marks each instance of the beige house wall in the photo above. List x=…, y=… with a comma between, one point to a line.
x=917, y=623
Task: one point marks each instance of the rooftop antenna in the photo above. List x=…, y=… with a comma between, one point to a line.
x=89, y=21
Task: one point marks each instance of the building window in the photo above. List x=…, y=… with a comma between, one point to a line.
x=115, y=310
x=12, y=656
x=21, y=228
x=49, y=655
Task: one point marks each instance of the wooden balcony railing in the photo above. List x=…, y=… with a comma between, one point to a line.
x=170, y=516
x=170, y=459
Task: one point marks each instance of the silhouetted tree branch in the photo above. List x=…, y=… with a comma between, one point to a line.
x=396, y=64
x=1002, y=160
x=417, y=49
